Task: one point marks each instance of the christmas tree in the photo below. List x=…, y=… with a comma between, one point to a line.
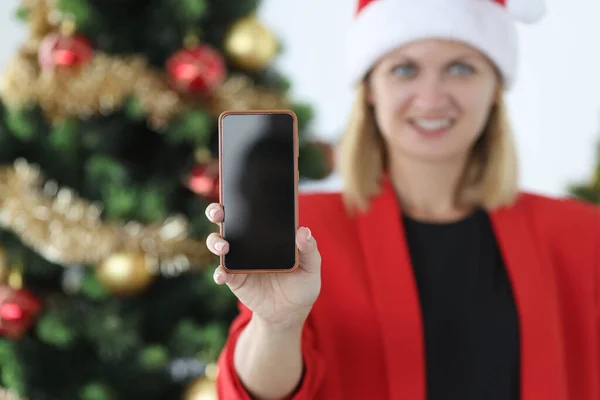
x=589, y=192
x=108, y=127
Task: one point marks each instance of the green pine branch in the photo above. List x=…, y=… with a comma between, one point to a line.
x=87, y=343
x=590, y=191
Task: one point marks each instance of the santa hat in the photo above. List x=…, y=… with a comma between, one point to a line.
x=380, y=26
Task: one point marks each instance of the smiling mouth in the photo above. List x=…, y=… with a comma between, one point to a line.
x=431, y=127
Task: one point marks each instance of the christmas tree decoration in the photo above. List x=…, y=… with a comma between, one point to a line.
x=201, y=389
x=126, y=274
x=114, y=332
x=60, y=51
x=204, y=180
x=6, y=394
x=53, y=328
x=589, y=191
x=69, y=230
x=18, y=311
x=317, y=159
x=108, y=133
x=100, y=87
x=15, y=278
x=154, y=358
x=4, y=265
x=186, y=369
x=327, y=156
x=96, y=390
x=72, y=279
x=196, y=70
x=203, y=155
x=240, y=93
x=250, y=45
x=37, y=15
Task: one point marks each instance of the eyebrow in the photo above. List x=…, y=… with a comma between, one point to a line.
x=465, y=57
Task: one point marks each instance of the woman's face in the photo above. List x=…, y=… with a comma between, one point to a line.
x=432, y=99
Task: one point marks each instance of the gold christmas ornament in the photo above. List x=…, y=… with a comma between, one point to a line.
x=68, y=230
x=250, y=45
x=126, y=274
x=201, y=389
x=211, y=372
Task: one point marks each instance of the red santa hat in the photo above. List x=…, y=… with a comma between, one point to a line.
x=380, y=26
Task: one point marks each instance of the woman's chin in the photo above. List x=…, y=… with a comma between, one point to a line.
x=433, y=153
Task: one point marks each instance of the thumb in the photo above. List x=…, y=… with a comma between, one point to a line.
x=310, y=258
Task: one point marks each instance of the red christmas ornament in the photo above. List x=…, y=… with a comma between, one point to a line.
x=196, y=70
x=18, y=310
x=58, y=50
x=204, y=181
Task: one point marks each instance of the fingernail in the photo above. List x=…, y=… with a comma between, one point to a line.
x=212, y=213
x=309, y=236
x=217, y=276
x=219, y=246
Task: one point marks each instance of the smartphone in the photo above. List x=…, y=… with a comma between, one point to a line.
x=258, y=176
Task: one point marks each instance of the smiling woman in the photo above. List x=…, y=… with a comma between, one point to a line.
x=441, y=279
x=432, y=102
x=440, y=92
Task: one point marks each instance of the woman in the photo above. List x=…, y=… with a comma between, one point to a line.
x=440, y=279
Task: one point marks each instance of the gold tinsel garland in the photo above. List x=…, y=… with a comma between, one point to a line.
x=68, y=230
x=42, y=17
x=7, y=394
x=99, y=87
x=103, y=84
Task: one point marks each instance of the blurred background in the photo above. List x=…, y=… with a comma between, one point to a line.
x=555, y=106
x=107, y=161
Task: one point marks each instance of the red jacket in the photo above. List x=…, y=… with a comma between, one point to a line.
x=364, y=338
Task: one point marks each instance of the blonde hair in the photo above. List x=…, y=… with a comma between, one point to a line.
x=489, y=181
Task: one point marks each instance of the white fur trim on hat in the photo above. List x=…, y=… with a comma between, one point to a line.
x=487, y=25
x=528, y=11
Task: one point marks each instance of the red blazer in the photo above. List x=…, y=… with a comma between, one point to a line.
x=364, y=338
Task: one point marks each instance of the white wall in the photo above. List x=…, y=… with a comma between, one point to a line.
x=555, y=106
x=12, y=32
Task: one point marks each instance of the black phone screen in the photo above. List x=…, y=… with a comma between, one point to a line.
x=258, y=184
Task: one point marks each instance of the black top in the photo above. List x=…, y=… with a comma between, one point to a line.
x=469, y=316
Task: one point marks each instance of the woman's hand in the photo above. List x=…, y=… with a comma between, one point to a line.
x=278, y=299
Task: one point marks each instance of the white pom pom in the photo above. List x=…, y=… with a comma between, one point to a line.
x=528, y=11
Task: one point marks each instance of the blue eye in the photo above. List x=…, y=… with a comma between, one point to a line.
x=404, y=70
x=461, y=69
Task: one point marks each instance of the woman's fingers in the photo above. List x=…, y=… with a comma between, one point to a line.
x=221, y=276
x=310, y=258
x=234, y=281
x=214, y=213
x=216, y=244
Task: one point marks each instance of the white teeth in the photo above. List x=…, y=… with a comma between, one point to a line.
x=432, y=124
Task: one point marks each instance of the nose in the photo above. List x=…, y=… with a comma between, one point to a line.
x=430, y=93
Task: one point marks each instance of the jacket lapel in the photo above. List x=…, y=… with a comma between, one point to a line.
x=396, y=300
x=395, y=295
x=536, y=299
